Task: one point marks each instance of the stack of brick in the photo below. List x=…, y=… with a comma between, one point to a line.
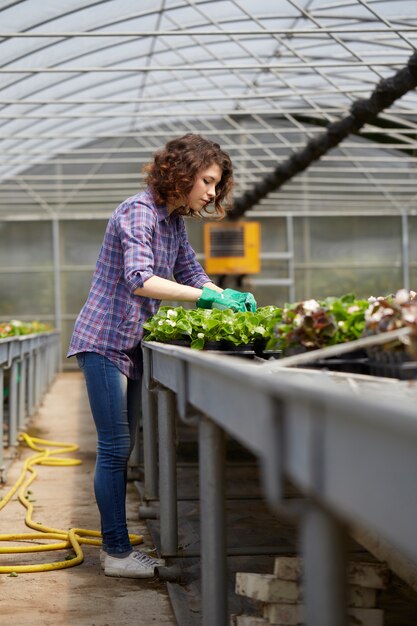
x=281, y=595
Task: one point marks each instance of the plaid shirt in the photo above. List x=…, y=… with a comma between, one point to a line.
x=141, y=240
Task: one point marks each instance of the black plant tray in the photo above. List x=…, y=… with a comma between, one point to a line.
x=355, y=362
x=391, y=364
x=247, y=351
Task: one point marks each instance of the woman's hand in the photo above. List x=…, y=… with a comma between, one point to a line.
x=244, y=297
x=211, y=299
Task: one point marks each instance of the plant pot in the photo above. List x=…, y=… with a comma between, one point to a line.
x=259, y=346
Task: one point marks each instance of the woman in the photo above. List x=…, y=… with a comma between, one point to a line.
x=145, y=244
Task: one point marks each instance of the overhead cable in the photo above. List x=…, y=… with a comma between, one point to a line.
x=362, y=111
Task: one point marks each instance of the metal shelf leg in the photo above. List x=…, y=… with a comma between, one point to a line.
x=167, y=473
x=324, y=551
x=212, y=525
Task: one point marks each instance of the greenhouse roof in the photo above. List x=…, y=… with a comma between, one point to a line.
x=90, y=89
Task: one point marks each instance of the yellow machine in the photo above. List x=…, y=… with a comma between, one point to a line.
x=232, y=247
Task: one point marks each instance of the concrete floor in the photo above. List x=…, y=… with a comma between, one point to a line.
x=63, y=498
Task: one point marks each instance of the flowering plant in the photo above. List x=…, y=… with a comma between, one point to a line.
x=390, y=313
x=313, y=324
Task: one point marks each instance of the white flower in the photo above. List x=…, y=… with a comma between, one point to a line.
x=409, y=316
x=298, y=320
x=172, y=313
x=402, y=296
x=374, y=315
x=310, y=306
x=200, y=335
x=160, y=323
x=371, y=299
x=353, y=308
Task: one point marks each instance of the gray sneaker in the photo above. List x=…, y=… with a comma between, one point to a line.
x=136, y=565
x=158, y=562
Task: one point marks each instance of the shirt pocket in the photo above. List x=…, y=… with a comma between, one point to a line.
x=130, y=324
x=166, y=250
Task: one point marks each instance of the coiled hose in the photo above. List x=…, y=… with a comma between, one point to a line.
x=46, y=454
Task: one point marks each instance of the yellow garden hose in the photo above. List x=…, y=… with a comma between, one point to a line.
x=46, y=452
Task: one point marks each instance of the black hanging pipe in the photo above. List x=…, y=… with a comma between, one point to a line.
x=362, y=112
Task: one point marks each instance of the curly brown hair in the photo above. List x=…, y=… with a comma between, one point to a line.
x=172, y=173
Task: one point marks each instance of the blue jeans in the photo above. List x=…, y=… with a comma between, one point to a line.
x=115, y=402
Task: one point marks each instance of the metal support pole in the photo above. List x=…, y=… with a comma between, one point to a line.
x=56, y=362
x=22, y=394
x=1, y=421
x=167, y=473
x=324, y=551
x=41, y=372
x=52, y=361
x=150, y=444
x=405, y=247
x=44, y=370
x=13, y=397
x=290, y=248
x=31, y=383
x=37, y=376
x=48, y=364
x=57, y=281
x=212, y=525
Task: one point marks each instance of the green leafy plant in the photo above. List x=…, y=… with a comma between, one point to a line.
x=349, y=314
x=198, y=326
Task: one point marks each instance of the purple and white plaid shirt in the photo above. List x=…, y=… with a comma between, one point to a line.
x=141, y=240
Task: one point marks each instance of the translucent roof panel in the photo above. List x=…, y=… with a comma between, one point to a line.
x=89, y=90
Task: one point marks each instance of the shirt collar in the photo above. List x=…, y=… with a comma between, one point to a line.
x=163, y=213
x=161, y=209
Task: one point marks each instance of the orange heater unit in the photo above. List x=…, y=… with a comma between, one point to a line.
x=232, y=248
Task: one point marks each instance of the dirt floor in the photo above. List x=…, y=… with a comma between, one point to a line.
x=63, y=498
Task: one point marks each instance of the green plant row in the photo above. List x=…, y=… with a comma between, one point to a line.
x=16, y=327
x=198, y=326
x=309, y=324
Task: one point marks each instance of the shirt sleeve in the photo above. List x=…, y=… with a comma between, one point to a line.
x=136, y=225
x=187, y=270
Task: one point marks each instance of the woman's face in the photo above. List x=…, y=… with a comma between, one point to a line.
x=204, y=189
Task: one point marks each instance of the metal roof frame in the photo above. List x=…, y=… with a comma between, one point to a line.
x=89, y=91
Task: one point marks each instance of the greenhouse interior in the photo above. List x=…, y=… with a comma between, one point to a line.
x=315, y=103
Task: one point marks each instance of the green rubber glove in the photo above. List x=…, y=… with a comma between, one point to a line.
x=242, y=297
x=211, y=299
